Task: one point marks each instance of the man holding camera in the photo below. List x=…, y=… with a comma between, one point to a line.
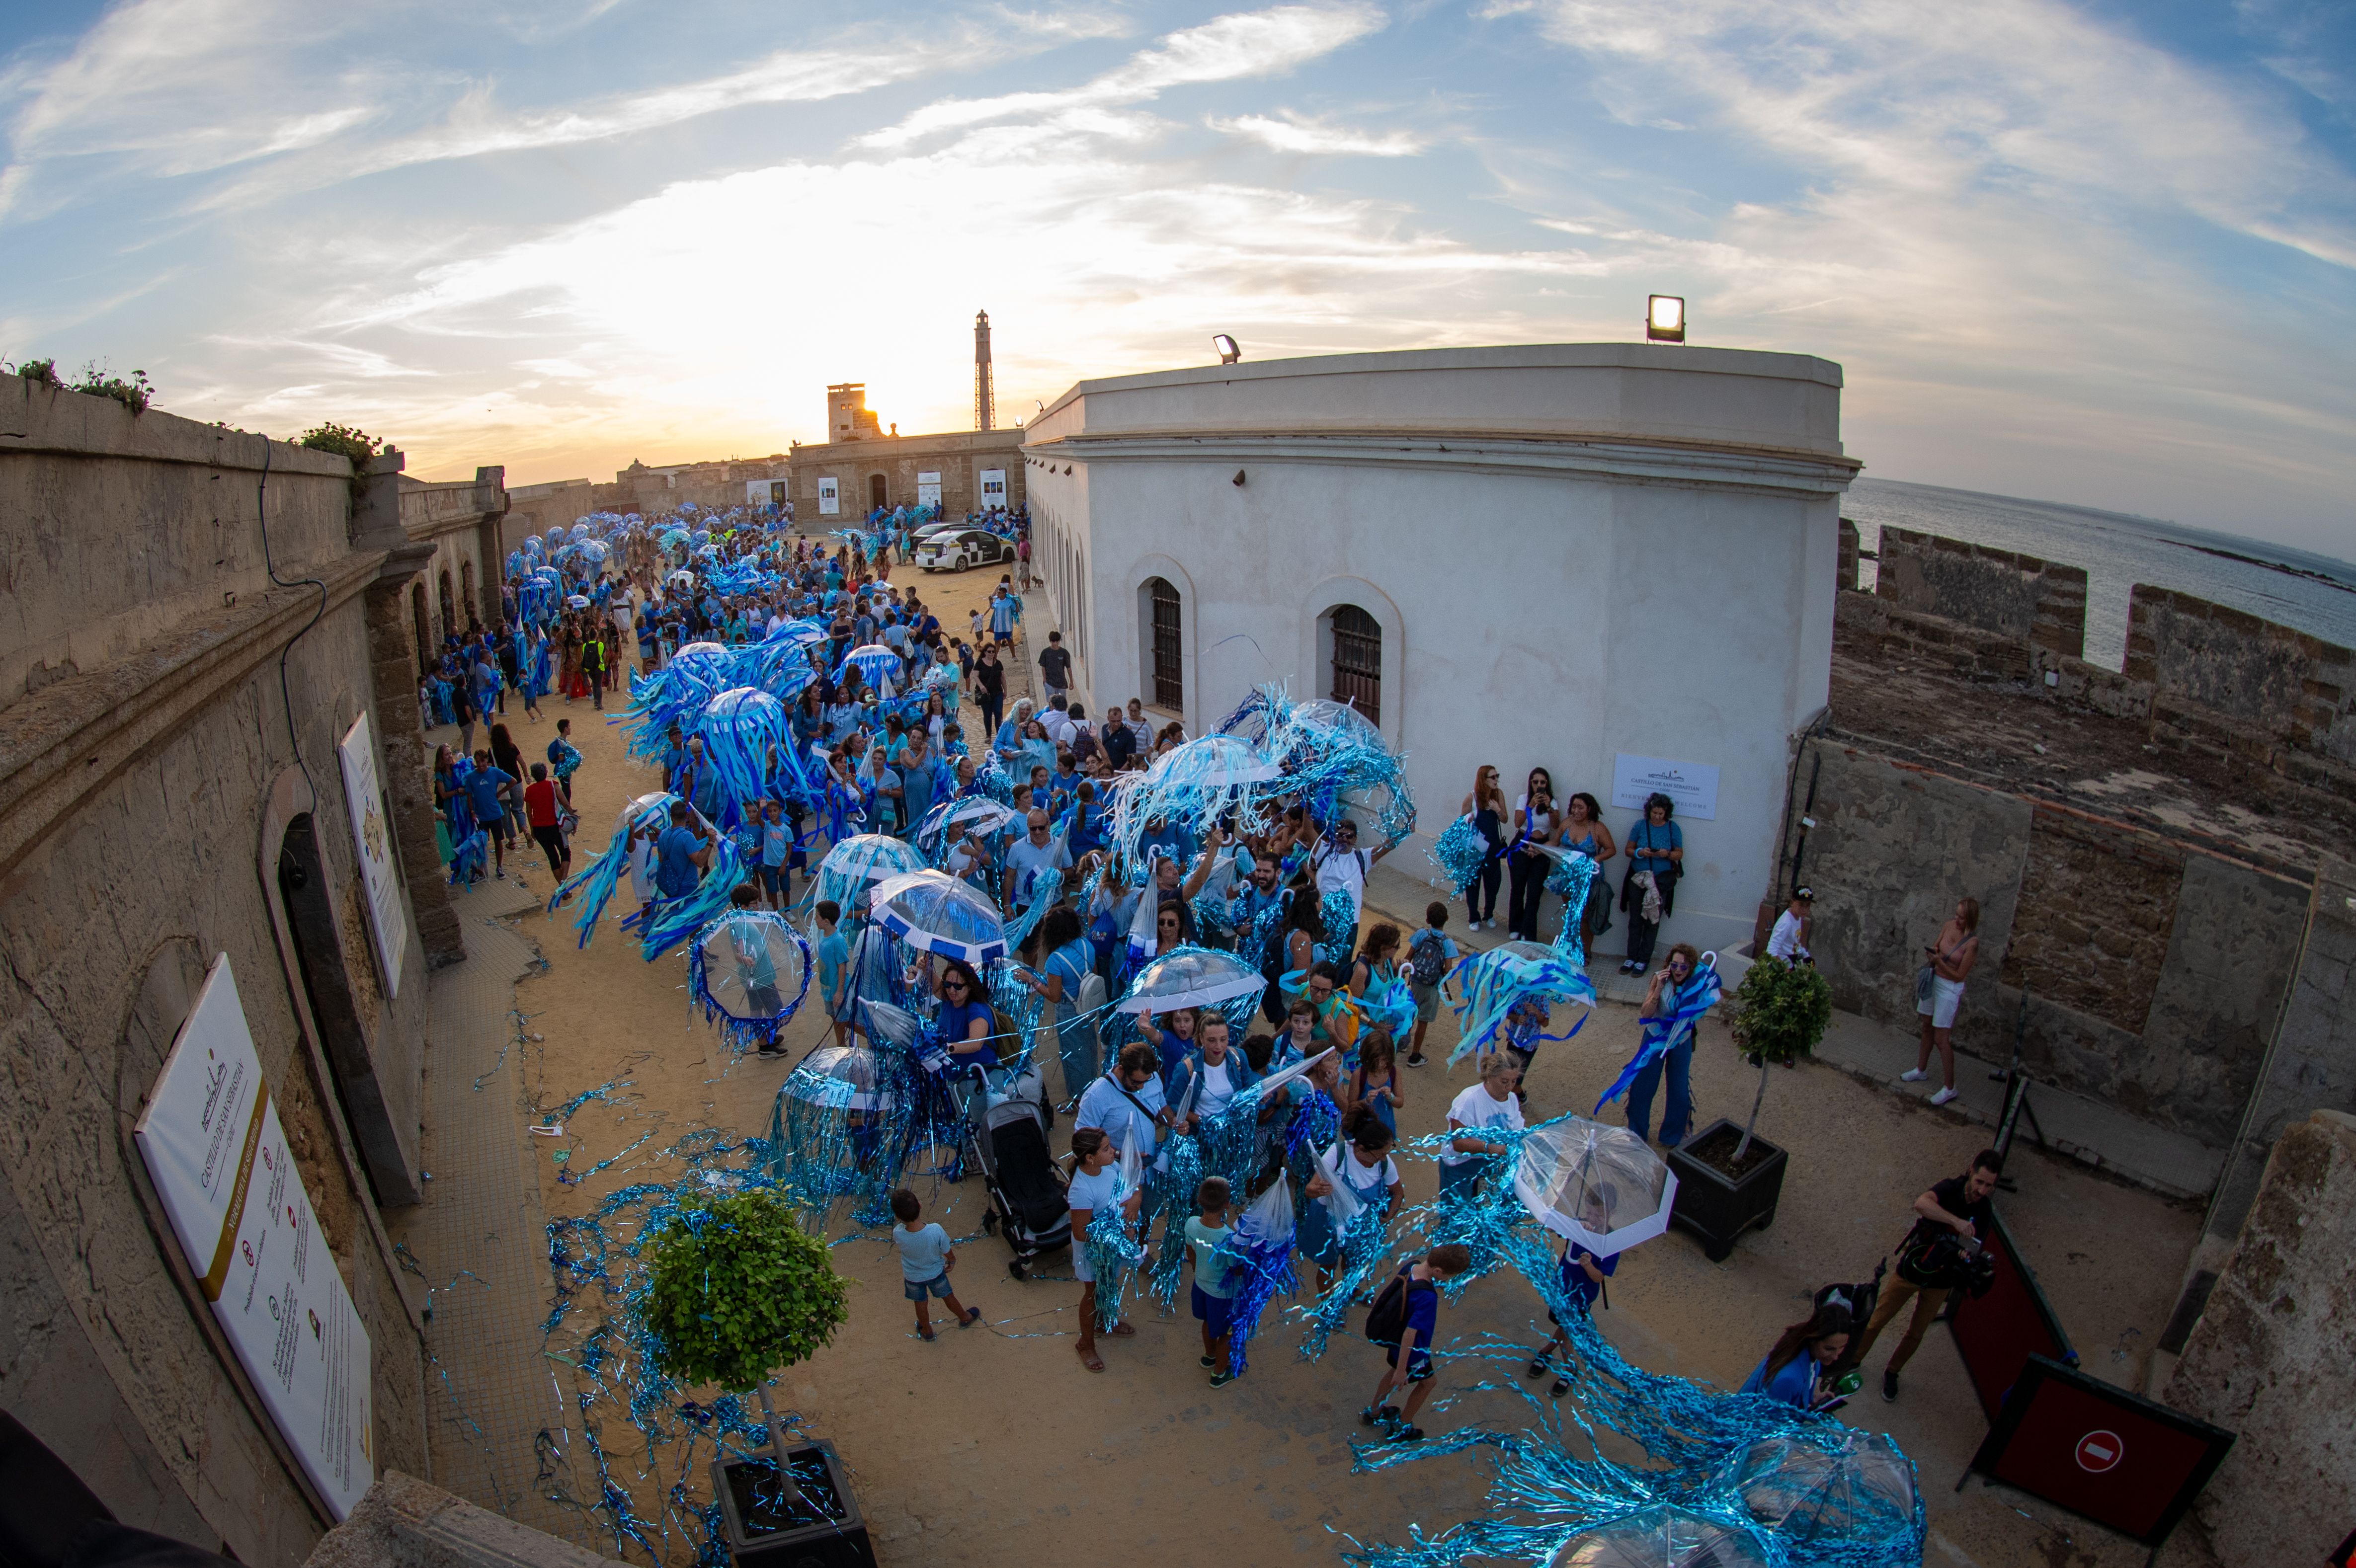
x=1952, y=1221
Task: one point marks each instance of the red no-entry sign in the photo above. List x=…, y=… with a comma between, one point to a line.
x=2098, y=1451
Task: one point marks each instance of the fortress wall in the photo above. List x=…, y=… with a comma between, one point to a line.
x=2017, y=598
x=2225, y=664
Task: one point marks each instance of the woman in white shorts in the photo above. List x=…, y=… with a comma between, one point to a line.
x=1950, y=959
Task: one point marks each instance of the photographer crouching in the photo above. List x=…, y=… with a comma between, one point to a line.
x=1941, y=1253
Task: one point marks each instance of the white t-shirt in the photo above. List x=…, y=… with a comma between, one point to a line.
x=1217, y=1089
x=1059, y=725
x=1473, y=1109
x=1093, y=1190
x=1785, y=942
x=1345, y=869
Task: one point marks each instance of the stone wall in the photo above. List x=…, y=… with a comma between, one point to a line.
x=2274, y=1357
x=148, y=793
x=2155, y=972
x=2019, y=598
x=957, y=456
x=2224, y=664
x=2312, y=1062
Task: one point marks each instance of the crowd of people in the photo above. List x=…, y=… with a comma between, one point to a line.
x=1347, y=999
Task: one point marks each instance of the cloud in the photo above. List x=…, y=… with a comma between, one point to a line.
x=1246, y=44
x=1293, y=133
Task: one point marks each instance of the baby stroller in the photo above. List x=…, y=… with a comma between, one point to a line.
x=1008, y=1146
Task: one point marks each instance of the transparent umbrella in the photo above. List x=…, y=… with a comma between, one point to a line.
x=1661, y=1537
x=1601, y=1187
x=1839, y=1485
x=936, y=913
x=753, y=966
x=1191, y=977
x=845, y=1077
x=1213, y=762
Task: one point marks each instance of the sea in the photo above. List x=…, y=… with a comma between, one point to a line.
x=2315, y=593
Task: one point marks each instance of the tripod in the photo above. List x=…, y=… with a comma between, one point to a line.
x=2016, y=1097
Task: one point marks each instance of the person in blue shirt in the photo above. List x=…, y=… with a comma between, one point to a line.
x=966, y=1020
x=1064, y=784
x=1410, y=1353
x=1070, y=963
x=1794, y=1370
x=1128, y=1103
x=1583, y=1274
x=1656, y=844
x=682, y=854
x=1671, y=984
x=486, y=787
x=834, y=970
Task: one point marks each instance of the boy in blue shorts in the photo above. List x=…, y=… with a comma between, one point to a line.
x=925, y=1259
x=1404, y=1319
x=1214, y=1296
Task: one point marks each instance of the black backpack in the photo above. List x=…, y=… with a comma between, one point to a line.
x=1427, y=958
x=1386, y=1319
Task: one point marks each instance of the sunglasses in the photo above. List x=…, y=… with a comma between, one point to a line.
x=953, y=985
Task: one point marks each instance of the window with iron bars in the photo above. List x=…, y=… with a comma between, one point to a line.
x=1358, y=661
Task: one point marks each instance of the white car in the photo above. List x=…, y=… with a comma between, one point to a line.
x=969, y=547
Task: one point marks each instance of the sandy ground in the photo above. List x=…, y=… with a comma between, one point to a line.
x=994, y=1443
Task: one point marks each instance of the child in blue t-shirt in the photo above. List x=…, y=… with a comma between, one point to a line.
x=1411, y=1356
x=1583, y=1275
x=833, y=968
x=1214, y=1285
x=925, y=1259
x=1429, y=951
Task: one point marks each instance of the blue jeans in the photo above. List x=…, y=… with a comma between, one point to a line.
x=1676, y=1117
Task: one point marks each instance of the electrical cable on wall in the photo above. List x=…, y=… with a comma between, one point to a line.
x=285, y=693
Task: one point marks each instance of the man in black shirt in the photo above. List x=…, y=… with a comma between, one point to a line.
x=1055, y=664
x=1951, y=1221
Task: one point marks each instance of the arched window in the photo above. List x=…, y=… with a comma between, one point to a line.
x=876, y=495
x=1357, y=661
x=420, y=628
x=1164, y=646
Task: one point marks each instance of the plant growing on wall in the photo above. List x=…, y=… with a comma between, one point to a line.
x=735, y=1289
x=1781, y=1013
x=134, y=394
x=345, y=441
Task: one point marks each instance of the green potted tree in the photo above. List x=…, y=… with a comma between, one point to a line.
x=1728, y=1177
x=737, y=1289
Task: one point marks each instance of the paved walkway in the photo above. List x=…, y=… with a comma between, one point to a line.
x=499, y=1433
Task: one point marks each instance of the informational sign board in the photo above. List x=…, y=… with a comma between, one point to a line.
x=993, y=488
x=1693, y=785
x=373, y=834
x=928, y=490
x=2099, y=1451
x=213, y=1144
x=830, y=498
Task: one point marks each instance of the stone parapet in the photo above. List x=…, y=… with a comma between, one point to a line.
x=403, y=1522
x=2018, y=598
x=2272, y=1359
x=2226, y=672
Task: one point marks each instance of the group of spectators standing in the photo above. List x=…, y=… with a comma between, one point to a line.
x=1654, y=848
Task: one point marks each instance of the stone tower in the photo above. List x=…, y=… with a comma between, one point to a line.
x=985, y=401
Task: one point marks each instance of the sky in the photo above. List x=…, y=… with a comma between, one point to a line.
x=2102, y=254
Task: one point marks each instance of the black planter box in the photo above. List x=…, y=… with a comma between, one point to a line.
x=758, y=1538
x=1716, y=1209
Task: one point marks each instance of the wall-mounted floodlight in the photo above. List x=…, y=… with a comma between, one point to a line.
x=1665, y=318
x=1229, y=352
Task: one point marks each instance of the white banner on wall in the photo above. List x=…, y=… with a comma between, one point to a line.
x=993, y=488
x=830, y=498
x=374, y=836
x=1693, y=785
x=212, y=1143
x=928, y=490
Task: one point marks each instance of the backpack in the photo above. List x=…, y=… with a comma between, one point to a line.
x=1427, y=958
x=1386, y=1319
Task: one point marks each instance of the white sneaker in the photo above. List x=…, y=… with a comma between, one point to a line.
x=1914, y=1076
x=1942, y=1096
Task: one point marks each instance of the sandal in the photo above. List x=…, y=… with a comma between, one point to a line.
x=1122, y=1332
x=925, y=1334
x=1090, y=1360
x=1538, y=1365
x=972, y=1316
x=1370, y=1415
x=1562, y=1387
x=1408, y=1434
